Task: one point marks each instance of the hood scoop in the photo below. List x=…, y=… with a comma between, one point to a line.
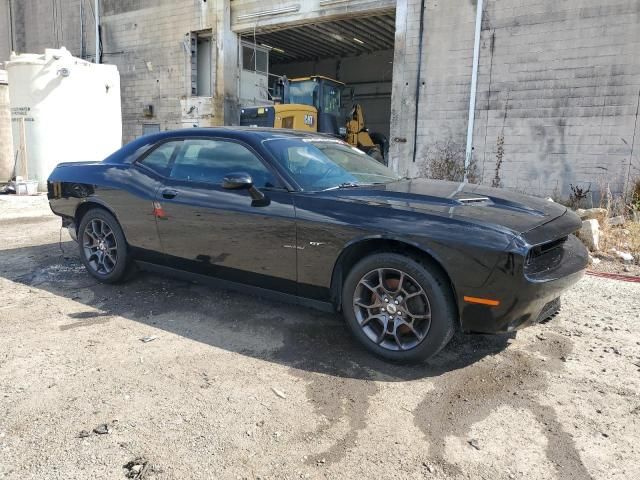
x=468, y=199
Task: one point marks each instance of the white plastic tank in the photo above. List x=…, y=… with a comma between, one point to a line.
x=6, y=140
x=63, y=109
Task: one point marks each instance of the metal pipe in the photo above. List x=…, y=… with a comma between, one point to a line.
x=82, y=52
x=474, y=85
x=418, y=81
x=97, y=60
x=11, y=40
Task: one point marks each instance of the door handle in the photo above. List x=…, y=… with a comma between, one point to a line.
x=169, y=194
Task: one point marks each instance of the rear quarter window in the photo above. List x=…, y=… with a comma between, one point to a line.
x=159, y=158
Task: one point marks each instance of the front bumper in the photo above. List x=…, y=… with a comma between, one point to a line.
x=525, y=298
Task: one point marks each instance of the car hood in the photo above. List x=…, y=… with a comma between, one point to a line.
x=462, y=201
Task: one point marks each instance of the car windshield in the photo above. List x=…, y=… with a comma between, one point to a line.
x=322, y=164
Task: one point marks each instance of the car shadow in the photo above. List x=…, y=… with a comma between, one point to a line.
x=277, y=332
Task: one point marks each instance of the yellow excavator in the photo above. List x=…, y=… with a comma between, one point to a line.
x=313, y=104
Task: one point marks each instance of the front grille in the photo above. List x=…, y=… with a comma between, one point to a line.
x=540, y=250
x=545, y=256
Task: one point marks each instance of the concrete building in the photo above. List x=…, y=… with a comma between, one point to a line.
x=558, y=85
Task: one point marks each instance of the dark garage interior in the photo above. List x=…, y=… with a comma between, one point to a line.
x=357, y=51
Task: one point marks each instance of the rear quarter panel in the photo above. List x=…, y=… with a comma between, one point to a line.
x=126, y=191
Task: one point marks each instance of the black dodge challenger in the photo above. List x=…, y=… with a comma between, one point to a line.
x=312, y=219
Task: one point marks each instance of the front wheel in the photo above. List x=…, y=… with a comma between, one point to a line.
x=103, y=248
x=397, y=308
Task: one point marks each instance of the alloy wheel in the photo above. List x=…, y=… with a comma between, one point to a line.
x=100, y=246
x=392, y=309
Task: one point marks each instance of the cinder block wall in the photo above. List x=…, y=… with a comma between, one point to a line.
x=40, y=24
x=559, y=83
x=436, y=83
x=146, y=40
x=5, y=32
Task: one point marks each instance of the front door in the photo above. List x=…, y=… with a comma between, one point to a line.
x=207, y=229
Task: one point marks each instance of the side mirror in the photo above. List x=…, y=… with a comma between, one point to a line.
x=237, y=181
x=243, y=181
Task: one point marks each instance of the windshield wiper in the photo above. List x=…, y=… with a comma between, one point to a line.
x=343, y=185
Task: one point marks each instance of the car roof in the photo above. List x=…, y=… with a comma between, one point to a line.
x=250, y=135
x=239, y=132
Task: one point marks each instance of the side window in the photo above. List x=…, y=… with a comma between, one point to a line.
x=158, y=159
x=209, y=161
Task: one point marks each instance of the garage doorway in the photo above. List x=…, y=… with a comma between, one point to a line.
x=357, y=51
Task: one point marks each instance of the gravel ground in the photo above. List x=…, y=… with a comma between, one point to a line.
x=609, y=264
x=232, y=386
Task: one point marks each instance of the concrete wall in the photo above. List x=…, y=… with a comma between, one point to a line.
x=5, y=31
x=148, y=41
x=369, y=75
x=144, y=38
x=559, y=79
x=559, y=82
x=436, y=83
x=38, y=25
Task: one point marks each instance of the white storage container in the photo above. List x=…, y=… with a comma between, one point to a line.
x=25, y=187
x=63, y=109
x=6, y=138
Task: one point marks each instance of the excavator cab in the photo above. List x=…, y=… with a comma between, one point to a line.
x=320, y=92
x=315, y=104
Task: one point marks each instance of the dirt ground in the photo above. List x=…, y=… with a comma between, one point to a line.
x=233, y=386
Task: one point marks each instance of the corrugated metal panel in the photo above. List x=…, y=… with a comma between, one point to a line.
x=327, y=39
x=248, y=14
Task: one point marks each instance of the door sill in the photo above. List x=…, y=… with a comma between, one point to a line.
x=238, y=287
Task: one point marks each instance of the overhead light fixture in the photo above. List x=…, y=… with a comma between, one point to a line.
x=357, y=40
x=274, y=49
x=267, y=13
x=324, y=3
x=337, y=36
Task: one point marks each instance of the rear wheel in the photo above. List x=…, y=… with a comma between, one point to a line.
x=103, y=248
x=397, y=308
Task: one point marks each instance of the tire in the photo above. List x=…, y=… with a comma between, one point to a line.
x=424, y=319
x=103, y=247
